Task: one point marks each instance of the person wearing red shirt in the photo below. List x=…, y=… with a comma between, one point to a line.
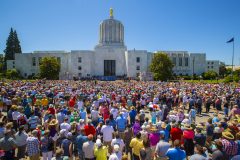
x=51, y=109
x=176, y=133
x=89, y=129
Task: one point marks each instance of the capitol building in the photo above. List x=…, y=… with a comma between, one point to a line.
x=110, y=58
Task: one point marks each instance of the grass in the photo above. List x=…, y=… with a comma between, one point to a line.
x=205, y=81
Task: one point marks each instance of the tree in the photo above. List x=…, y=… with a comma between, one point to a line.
x=161, y=67
x=210, y=75
x=12, y=46
x=49, y=68
x=222, y=70
x=12, y=74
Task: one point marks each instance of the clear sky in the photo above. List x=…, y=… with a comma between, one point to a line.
x=189, y=25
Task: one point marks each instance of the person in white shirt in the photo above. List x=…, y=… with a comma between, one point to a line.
x=65, y=125
x=80, y=104
x=15, y=115
x=114, y=112
x=116, y=155
x=21, y=141
x=88, y=148
x=107, y=132
x=117, y=140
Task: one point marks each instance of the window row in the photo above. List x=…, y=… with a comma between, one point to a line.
x=180, y=61
x=40, y=60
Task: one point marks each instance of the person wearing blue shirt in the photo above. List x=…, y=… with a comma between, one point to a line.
x=132, y=114
x=81, y=138
x=176, y=153
x=83, y=114
x=121, y=123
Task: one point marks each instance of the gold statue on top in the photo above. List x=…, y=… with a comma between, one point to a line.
x=111, y=12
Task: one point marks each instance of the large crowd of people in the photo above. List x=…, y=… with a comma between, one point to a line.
x=119, y=120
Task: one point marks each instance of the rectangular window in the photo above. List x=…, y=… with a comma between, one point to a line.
x=138, y=68
x=138, y=59
x=174, y=59
x=208, y=67
x=79, y=59
x=212, y=62
x=13, y=66
x=186, y=61
x=79, y=74
x=211, y=66
x=39, y=60
x=79, y=68
x=13, y=62
x=34, y=61
x=180, y=61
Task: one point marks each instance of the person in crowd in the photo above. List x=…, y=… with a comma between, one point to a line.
x=188, y=136
x=230, y=147
x=219, y=154
x=33, y=146
x=7, y=144
x=176, y=153
x=199, y=153
x=136, y=144
x=100, y=151
x=80, y=140
x=88, y=148
x=21, y=142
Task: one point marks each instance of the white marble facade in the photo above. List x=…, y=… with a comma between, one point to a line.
x=110, y=52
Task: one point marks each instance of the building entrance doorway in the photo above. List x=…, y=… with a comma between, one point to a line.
x=109, y=67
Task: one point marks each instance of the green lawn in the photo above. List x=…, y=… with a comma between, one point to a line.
x=205, y=81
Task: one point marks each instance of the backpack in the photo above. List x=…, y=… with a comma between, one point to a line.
x=22, y=120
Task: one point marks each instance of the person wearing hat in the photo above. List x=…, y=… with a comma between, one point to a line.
x=8, y=144
x=188, y=136
x=116, y=155
x=119, y=141
x=229, y=145
x=199, y=137
x=88, y=148
x=100, y=151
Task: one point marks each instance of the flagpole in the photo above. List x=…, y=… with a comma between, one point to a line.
x=232, y=59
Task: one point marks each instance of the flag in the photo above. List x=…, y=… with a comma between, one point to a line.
x=231, y=40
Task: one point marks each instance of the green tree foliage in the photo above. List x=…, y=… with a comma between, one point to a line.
x=222, y=71
x=49, y=68
x=12, y=46
x=210, y=75
x=12, y=74
x=161, y=67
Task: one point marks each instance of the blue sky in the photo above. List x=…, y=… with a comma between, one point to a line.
x=190, y=25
